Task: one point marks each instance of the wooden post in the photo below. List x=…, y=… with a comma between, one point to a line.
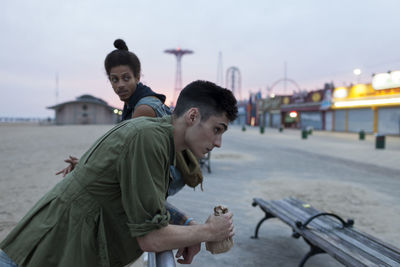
x=376, y=110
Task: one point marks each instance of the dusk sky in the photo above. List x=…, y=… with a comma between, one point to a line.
x=321, y=41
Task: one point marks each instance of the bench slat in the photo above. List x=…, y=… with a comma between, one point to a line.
x=341, y=239
x=290, y=218
x=362, y=234
x=361, y=239
x=347, y=245
x=321, y=236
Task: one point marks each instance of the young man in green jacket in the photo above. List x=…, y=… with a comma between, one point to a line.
x=112, y=207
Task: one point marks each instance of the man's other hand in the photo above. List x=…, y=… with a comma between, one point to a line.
x=187, y=254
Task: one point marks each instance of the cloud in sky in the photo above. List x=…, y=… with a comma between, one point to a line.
x=321, y=41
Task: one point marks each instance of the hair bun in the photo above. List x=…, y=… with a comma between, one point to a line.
x=120, y=44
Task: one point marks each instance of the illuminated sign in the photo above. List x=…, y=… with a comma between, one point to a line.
x=291, y=117
x=361, y=90
x=293, y=114
x=286, y=100
x=316, y=97
x=364, y=95
x=340, y=92
x=386, y=80
x=367, y=102
x=300, y=97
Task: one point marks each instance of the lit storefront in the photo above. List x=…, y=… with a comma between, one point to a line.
x=308, y=109
x=269, y=111
x=374, y=108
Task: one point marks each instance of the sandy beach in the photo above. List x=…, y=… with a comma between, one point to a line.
x=30, y=155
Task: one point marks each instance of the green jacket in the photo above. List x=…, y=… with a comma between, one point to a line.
x=115, y=194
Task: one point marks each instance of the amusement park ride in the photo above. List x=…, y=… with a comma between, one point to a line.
x=179, y=53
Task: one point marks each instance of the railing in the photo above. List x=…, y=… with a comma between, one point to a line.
x=161, y=259
x=26, y=120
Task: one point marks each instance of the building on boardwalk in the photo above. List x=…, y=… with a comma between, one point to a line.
x=270, y=112
x=86, y=109
x=308, y=109
x=373, y=108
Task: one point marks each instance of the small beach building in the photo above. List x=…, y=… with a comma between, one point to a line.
x=86, y=109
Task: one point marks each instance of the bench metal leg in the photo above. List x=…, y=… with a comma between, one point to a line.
x=208, y=162
x=267, y=216
x=205, y=161
x=313, y=251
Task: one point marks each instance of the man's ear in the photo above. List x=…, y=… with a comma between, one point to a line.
x=192, y=116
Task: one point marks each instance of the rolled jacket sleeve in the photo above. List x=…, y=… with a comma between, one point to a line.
x=144, y=175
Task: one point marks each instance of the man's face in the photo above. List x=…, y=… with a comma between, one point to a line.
x=203, y=136
x=123, y=81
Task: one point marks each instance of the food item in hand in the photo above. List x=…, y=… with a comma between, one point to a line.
x=224, y=245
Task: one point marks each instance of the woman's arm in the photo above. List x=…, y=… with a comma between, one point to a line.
x=144, y=110
x=177, y=216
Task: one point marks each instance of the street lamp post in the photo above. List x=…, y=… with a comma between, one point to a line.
x=357, y=72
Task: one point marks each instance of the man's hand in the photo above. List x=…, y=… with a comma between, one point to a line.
x=72, y=163
x=187, y=253
x=221, y=227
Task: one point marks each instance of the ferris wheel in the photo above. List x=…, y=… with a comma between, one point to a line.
x=234, y=81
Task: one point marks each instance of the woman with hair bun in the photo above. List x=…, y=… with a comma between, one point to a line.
x=123, y=69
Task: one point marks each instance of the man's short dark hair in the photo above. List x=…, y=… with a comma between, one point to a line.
x=209, y=98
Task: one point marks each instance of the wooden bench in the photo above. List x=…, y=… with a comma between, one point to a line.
x=328, y=233
x=205, y=162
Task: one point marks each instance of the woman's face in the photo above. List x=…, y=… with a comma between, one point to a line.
x=123, y=82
